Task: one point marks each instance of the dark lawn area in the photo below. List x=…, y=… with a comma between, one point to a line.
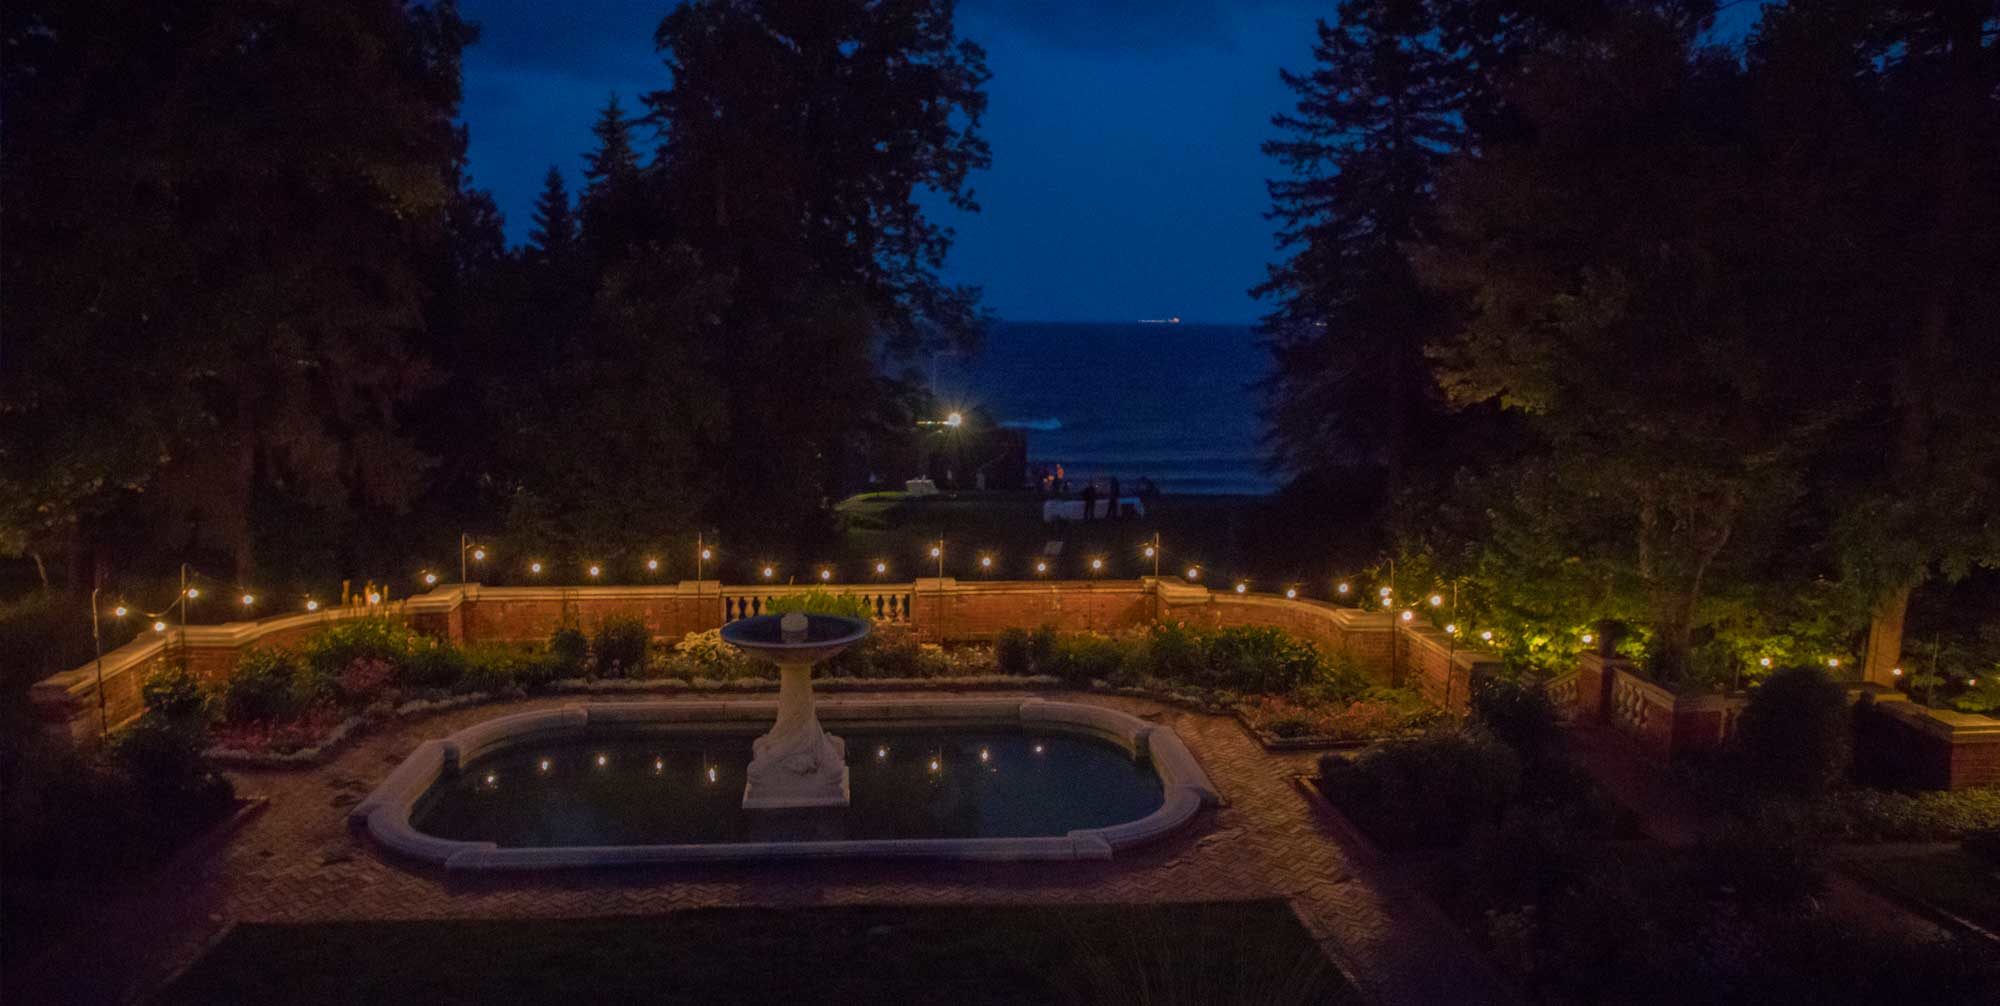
x=1228, y=536
x=1952, y=880
x=1234, y=952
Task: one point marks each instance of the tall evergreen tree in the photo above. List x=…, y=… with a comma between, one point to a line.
x=795, y=140
x=553, y=239
x=1377, y=117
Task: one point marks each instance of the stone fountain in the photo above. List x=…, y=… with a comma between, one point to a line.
x=796, y=764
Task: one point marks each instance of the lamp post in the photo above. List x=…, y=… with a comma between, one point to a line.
x=466, y=546
x=97, y=640
x=701, y=555
x=1153, y=553
x=1090, y=612
x=937, y=552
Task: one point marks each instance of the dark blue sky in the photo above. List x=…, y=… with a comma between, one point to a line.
x=1126, y=180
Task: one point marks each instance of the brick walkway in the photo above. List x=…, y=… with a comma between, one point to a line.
x=297, y=862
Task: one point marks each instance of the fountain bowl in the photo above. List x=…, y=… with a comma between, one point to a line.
x=824, y=636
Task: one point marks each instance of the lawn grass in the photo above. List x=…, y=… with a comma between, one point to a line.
x=1230, y=952
x=1229, y=537
x=1953, y=880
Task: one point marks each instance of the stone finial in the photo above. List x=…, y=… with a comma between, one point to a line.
x=793, y=627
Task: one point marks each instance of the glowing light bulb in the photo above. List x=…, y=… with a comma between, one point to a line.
x=954, y=420
x=826, y=574
x=986, y=562
x=1149, y=551
x=1385, y=592
x=543, y=765
x=1898, y=672
x=985, y=755
x=706, y=554
x=1833, y=661
x=934, y=764
x=249, y=599
x=1766, y=662
x=1242, y=588
x=491, y=779
x=1408, y=614
x=1437, y=599
x=1451, y=628
x=119, y=611
x=1041, y=567
x=659, y=764
x=1096, y=564
x=375, y=598
x=1291, y=592
x=594, y=570
x=1038, y=749
x=1340, y=589
x=881, y=753
x=194, y=592
x=652, y=565
x=936, y=551
x=769, y=572
x=479, y=555
x=601, y=761
x=1193, y=573
x=1587, y=638
x=1487, y=635
x=312, y=605
x=711, y=773
x=430, y=579
x=881, y=567
x=159, y=626
x=534, y=567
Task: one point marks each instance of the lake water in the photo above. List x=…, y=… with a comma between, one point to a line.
x=1169, y=402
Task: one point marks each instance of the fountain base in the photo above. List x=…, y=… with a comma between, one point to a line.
x=797, y=764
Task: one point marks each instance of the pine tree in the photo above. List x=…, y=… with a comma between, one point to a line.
x=553, y=240
x=615, y=160
x=1376, y=119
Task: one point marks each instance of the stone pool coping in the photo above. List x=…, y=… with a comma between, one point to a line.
x=385, y=813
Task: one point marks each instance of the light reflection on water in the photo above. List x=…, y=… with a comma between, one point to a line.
x=669, y=789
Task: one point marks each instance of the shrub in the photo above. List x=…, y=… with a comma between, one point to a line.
x=1518, y=712
x=1875, y=815
x=620, y=646
x=433, y=664
x=330, y=651
x=1795, y=734
x=1173, y=653
x=569, y=651
x=892, y=655
x=1086, y=657
x=1427, y=793
x=705, y=655
x=172, y=692
x=1775, y=856
x=364, y=680
x=1013, y=653
x=1264, y=660
x=821, y=601
x=264, y=685
x=1042, y=649
x=492, y=668
x=165, y=761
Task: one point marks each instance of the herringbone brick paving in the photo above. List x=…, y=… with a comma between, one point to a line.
x=297, y=862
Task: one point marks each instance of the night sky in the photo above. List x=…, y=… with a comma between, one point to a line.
x=1126, y=180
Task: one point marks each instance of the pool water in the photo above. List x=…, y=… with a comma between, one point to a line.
x=669, y=789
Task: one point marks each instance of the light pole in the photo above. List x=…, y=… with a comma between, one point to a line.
x=1153, y=553
x=97, y=640
x=1090, y=611
x=937, y=552
x=701, y=555
x=467, y=546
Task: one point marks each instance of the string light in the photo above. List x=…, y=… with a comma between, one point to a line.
x=1038, y=749
x=881, y=567
x=430, y=579
x=1766, y=662
x=985, y=755
x=594, y=569
x=1587, y=638
x=1451, y=628
x=934, y=764
x=194, y=592
x=707, y=554
x=652, y=565
x=249, y=599
x=544, y=765
x=602, y=761
x=881, y=753
x=1833, y=661
x=120, y=611
x=312, y=605
x=936, y=551
x=1486, y=635
x=1291, y=592
x=825, y=574
x=1096, y=564
x=1041, y=566
x=159, y=626
x=659, y=765
x=1898, y=672
x=769, y=572
x=1341, y=590
x=1437, y=599
x=479, y=554
x=492, y=778
x=1408, y=614
x=1242, y=588
x=1385, y=592
x=985, y=562
x=375, y=598
x=1149, y=551
x=711, y=773
x=535, y=567
x=1193, y=573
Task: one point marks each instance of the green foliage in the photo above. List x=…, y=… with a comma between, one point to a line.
x=1424, y=794
x=1518, y=712
x=1796, y=735
x=1775, y=856
x=620, y=646
x=1013, y=652
x=1083, y=657
x=1042, y=647
x=434, y=664
x=171, y=692
x=821, y=601
x=332, y=650
x=569, y=651
x=164, y=760
x=1876, y=815
x=705, y=655
x=264, y=685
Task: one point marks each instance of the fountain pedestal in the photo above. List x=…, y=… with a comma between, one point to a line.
x=797, y=764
